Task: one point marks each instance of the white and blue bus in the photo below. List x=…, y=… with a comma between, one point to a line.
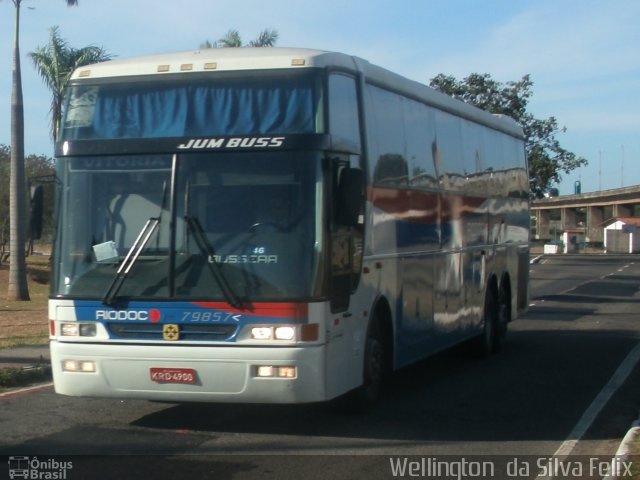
x=277, y=226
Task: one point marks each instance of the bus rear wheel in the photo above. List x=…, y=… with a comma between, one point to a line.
x=493, y=332
x=503, y=317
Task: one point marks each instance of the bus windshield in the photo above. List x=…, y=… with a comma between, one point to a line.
x=241, y=225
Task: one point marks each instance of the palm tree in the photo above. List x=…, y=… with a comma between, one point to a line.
x=230, y=40
x=56, y=62
x=18, y=289
x=266, y=38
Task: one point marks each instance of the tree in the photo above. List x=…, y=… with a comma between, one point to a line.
x=5, y=169
x=266, y=38
x=547, y=159
x=18, y=289
x=232, y=39
x=56, y=62
x=39, y=170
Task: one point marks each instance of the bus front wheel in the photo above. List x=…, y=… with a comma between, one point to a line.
x=374, y=371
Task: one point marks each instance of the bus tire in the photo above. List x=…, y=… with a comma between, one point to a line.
x=503, y=317
x=485, y=343
x=374, y=371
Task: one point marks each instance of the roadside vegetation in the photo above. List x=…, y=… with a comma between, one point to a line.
x=17, y=377
x=25, y=323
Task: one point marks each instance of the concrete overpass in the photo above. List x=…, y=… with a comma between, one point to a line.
x=586, y=213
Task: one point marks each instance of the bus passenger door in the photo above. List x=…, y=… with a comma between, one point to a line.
x=345, y=329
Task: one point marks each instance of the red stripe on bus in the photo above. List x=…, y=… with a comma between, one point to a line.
x=262, y=309
x=422, y=207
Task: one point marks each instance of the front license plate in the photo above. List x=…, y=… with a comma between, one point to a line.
x=173, y=375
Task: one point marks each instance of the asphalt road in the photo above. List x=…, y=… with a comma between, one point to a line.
x=518, y=406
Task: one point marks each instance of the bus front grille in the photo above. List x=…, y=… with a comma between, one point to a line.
x=154, y=331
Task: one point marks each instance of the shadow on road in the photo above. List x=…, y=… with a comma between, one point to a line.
x=535, y=390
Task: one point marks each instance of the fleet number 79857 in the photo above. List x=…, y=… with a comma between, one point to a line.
x=210, y=317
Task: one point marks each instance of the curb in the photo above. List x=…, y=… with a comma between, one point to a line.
x=12, y=377
x=19, y=392
x=624, y=451
x=535, y=260
x=24, y=365
x=625, y=448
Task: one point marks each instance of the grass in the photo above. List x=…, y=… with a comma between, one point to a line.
x=38, y=339
x=26, y=322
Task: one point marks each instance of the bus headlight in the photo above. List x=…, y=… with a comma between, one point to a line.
x=264, y=371
x=261, y=333
x=88, y=330
x=76, y=329
x=308, y=332
x=83, y=366
x=285, y=333
x=271, y=371
x=69, y=329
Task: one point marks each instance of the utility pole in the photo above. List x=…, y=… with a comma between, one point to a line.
x=622, y=168
x=599, y=170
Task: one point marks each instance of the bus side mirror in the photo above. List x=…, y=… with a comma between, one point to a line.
x=350, y=196
x=37, y=208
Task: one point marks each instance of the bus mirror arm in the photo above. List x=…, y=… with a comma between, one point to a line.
x=350, y=196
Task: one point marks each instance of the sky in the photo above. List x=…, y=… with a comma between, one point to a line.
x=583, y=55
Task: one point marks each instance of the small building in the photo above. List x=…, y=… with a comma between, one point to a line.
x=573, y=240
x=621, y=235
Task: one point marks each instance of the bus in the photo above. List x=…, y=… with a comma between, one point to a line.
x=275, y=225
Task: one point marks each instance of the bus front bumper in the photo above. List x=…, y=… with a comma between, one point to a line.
x=190, y=373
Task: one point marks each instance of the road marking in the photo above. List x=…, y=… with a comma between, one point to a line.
x=535, y=260
x=25, y=391
x=590, y=414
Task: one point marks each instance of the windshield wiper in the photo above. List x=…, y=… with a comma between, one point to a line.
x=130, y=260
x=206, y=248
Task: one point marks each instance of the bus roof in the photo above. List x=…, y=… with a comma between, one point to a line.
x=215, y=59
x=234, y=59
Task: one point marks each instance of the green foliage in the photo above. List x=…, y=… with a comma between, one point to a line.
x=55, y=63
x=266, y=38
x=39, y=170
x=547, y=159
x=13, y=377
x=232, y=39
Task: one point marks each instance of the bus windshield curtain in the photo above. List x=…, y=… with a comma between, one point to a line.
x=152, y=111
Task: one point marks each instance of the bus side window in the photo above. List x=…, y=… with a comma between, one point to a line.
x=343, y=109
